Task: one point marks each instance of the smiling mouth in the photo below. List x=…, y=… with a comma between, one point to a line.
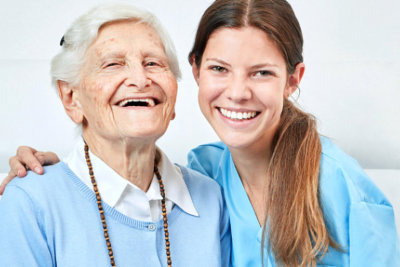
x=138, y=102
x=237, y=115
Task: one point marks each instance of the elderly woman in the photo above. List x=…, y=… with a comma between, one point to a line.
x=117, y=199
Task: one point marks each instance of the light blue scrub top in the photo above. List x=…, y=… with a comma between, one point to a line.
x=358, y=216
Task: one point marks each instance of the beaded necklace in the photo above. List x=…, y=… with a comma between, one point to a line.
x=103, y=218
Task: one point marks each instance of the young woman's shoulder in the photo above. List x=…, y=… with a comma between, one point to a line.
x=341, y=173
x=201, y=186
x=357, y=213
x=207, y=158
x=196, y=180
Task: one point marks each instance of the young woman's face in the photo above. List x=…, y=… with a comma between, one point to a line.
x=242, y=84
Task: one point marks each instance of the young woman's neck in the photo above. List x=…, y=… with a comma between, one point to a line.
x=252, y=168
x=133, y=161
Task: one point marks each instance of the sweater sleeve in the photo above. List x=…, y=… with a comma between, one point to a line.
x=373, y=236
x=22, y=237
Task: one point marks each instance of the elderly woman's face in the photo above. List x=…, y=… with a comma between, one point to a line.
x=127, y=89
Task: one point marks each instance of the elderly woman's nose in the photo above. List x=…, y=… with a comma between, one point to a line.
x=138, y=77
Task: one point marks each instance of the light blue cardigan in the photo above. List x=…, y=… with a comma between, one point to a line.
x=53, y=220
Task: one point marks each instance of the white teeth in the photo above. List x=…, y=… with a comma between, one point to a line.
x=237, y=115
x=150, y=102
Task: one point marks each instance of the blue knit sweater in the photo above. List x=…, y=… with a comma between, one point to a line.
x=53, y=220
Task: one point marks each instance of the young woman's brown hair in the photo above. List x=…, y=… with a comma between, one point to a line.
x=297, y=234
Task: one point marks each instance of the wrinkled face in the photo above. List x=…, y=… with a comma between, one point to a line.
x=127, y=89
x=242, y=84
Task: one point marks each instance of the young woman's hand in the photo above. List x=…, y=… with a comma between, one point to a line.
x=28, y=158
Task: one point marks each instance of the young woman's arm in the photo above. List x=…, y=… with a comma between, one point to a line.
x=28, y=158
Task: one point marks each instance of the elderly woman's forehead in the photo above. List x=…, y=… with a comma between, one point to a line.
x=109, y=31
x=129, y=24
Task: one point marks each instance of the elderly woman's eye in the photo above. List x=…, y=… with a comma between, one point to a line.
x=112, y=64
x=152, y=64
x=218, y=68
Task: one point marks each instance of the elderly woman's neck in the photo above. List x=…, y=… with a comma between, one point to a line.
x=134, y=162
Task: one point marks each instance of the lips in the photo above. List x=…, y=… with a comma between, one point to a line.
x=138, y=102
x=238, y=115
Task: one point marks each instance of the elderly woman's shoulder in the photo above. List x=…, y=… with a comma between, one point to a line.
x=48, y=183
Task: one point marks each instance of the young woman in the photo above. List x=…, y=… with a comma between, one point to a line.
x=294, y=198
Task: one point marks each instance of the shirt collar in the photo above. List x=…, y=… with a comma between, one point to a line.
x=175, y=187
x=112, y=186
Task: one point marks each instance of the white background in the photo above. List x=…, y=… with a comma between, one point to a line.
x=351, y=84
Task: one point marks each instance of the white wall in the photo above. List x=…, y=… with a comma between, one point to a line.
x=351, y=82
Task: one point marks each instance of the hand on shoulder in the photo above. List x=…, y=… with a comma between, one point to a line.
x=25, y=159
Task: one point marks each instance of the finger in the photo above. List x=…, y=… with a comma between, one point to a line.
x=25, y=156
x=17, y=168
x=46, y=158
x=5, y=181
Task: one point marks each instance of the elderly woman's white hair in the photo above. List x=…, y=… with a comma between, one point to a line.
x=65, y=65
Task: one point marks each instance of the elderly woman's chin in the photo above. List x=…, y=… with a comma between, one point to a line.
x=147, y=123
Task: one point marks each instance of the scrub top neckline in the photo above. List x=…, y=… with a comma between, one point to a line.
x=238, y=186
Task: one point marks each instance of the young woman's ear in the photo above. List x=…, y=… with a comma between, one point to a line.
x=70, y=99
x=195, y=69
x=294, y=79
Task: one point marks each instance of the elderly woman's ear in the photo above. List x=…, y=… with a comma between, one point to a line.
x=70, y=99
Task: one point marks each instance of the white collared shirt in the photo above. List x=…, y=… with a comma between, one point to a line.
x=126, y=197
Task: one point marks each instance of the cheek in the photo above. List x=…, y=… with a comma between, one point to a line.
x=169, y=108
x=271, y=95
x=274, y=102
x=203, y=98
x=173, y=89
x=209, y=89
x=167, y=82
x=169, y=87
x=95, y=102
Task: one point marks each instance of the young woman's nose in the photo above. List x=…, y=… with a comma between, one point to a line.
x=238, y=89
x=137, y=77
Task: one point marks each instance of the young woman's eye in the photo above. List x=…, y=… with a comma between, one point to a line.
x=263, y=73
x=218, y=68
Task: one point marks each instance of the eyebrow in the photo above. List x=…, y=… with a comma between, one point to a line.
x=262, y=65
x=219, y=61
x=257, y=66
x=112, y=55
x=157, y=54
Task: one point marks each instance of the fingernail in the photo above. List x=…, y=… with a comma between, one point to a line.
x=19, y=173
x=37, y=169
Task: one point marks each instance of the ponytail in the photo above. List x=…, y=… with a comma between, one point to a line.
x=297, y=234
